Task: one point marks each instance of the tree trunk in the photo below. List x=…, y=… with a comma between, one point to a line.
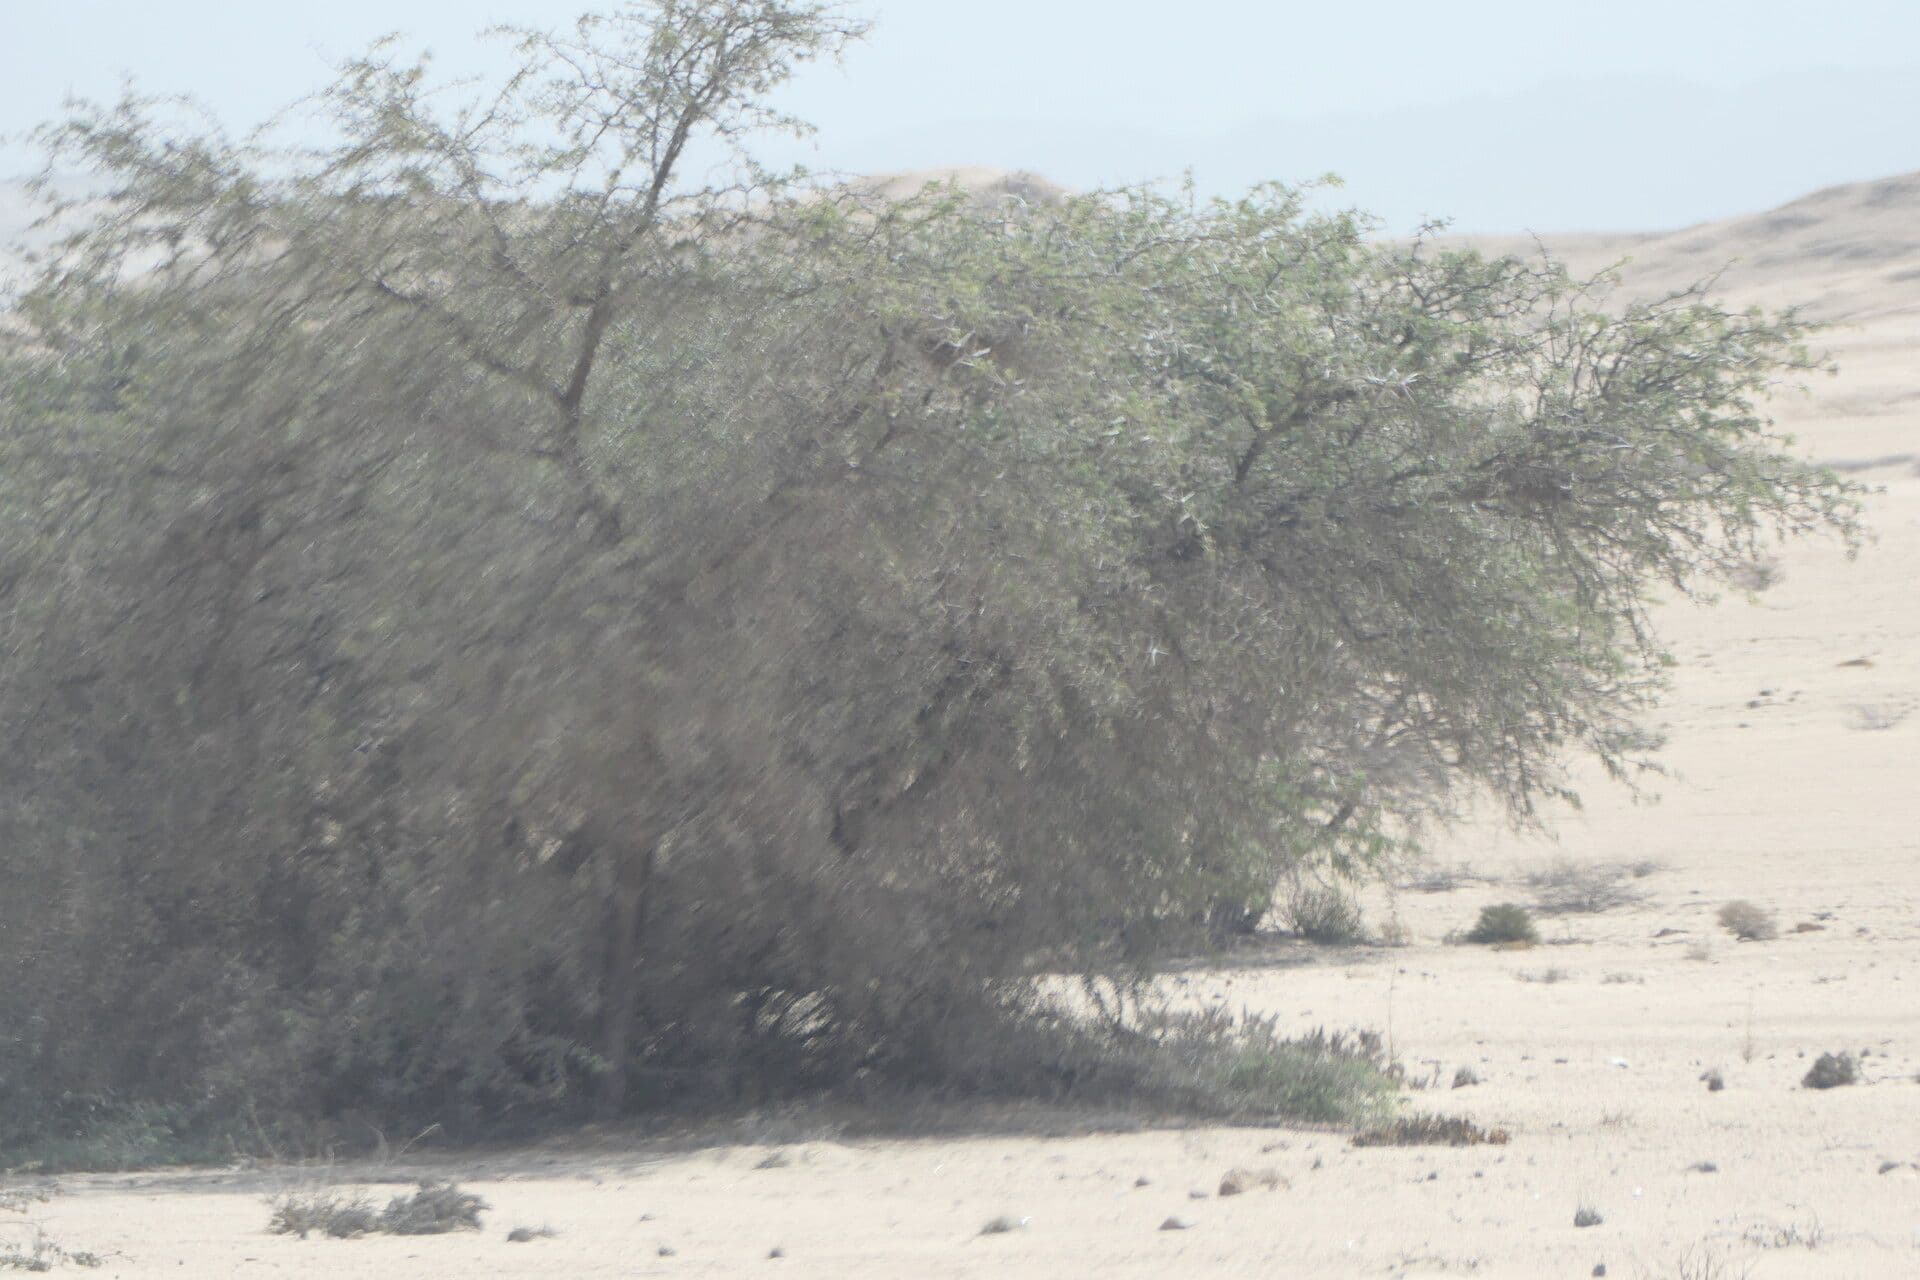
x=616, y=1016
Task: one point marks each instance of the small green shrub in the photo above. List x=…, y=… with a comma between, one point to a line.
x=1503, y=922
x=1210, y=1063
x=1748, y=922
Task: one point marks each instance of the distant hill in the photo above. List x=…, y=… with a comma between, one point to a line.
x=1849, y=252
x=1849, y=255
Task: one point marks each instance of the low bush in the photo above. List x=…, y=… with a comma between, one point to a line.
x=1503, y=922
x=1830, y=1071
x=434, y=1209
x=1208, y=1063
x=1327, y=915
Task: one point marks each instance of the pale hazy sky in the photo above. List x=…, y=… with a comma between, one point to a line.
x=1504, y=114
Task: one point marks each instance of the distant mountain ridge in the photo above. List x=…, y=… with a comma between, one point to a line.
x=1845, y=252
x=1620, y=152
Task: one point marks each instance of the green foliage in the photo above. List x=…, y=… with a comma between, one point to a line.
x=493, y=623
x=1209, y=1064
x=1503, y=922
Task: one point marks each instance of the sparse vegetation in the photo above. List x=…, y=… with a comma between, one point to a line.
x=1424, y=1130
x=32, y=1250
x=1748, y=922
x=1791, y=1235
x=1504, y=922
x=1437, y=878
x=1567, y=886
x=1326, y=914
x=1703, y=1262
x=1548, y=976
x=328, y=1211
x=1464, y=1077
x=1831, y=1070
x=1759, y=574
x=24, y=1244
x=1587, y=1216
x=434, y=1208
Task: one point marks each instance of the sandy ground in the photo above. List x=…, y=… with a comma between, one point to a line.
x=1795, y=726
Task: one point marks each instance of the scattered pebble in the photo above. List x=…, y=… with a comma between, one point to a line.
x=1177, y=1224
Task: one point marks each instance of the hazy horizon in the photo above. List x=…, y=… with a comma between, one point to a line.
x=1491, y=113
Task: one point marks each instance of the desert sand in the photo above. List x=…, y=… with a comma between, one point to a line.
x=1795, y=750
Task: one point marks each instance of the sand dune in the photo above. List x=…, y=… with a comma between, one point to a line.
x=1795, y=727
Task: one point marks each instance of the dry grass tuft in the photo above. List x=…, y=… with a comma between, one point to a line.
x=1431, y=1131
x=1567, y=887
x=434, y=1209
x=1748, y=922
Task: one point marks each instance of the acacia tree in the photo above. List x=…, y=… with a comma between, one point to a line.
x=501, y=615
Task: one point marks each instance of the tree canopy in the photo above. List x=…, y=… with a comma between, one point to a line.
x=522, y=604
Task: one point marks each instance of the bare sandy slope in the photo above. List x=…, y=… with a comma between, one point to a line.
x=1795, y=728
